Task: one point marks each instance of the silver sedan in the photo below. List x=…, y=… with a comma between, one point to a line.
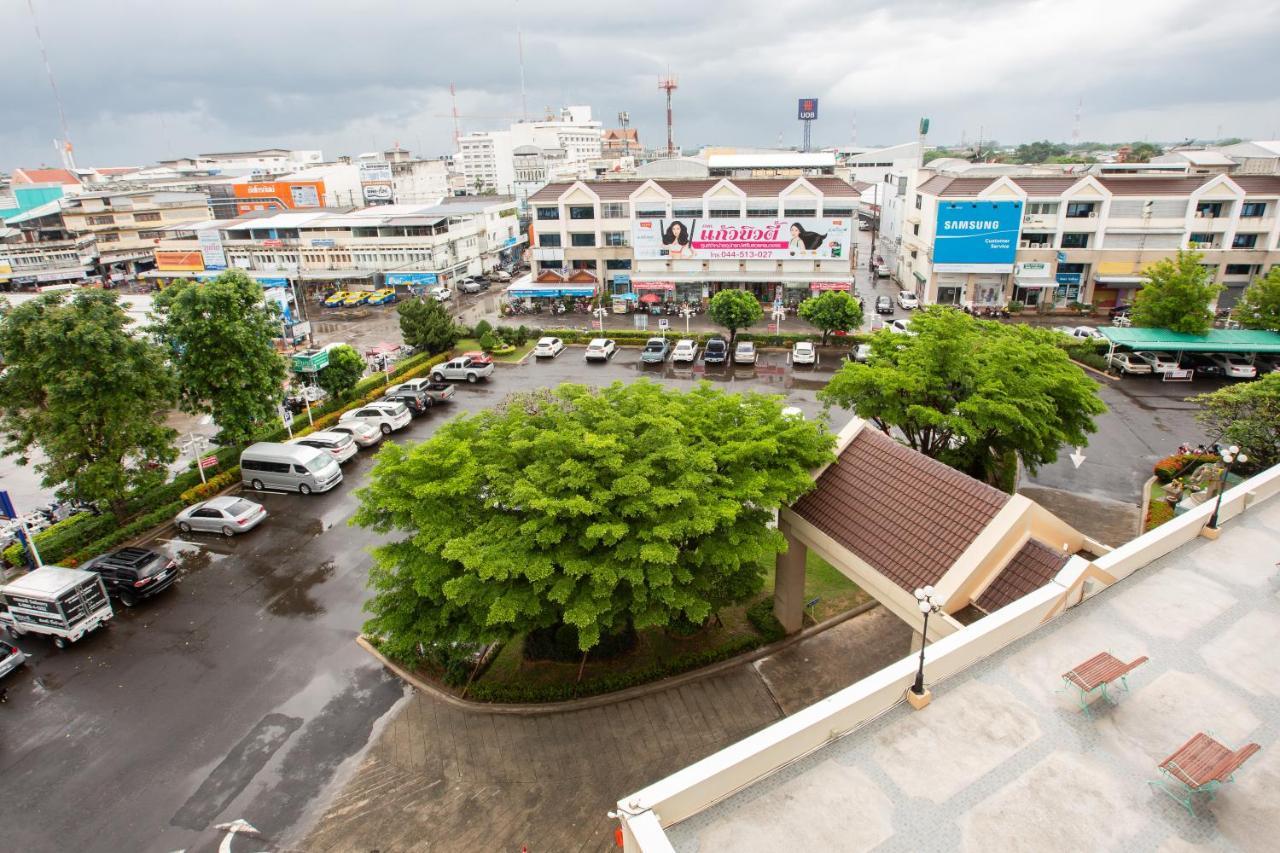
x=225, y=515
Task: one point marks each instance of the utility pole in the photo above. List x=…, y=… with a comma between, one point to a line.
x=457, y=124
x=624, y=119
x=1075, y=128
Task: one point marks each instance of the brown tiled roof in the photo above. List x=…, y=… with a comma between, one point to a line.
x=1047, y=186
x=1152, y=186
x=687, y=188
x=1258, y=184
x=908, y=516
x=1032, y=567
x=944, y=186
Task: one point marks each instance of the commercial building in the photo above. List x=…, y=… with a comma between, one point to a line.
x=986, y=241
x=685, y=240
x=37, y=249
x=263, y=163
x=486, y=159
x=126, y=225
x=873, y=165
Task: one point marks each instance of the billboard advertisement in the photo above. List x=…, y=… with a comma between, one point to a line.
x=808, y=109
x=275, y=195
x=375, y=182
x=409, y=279
x=179, y=260
x=762, y=239
x=211, y=249
x=977, y=236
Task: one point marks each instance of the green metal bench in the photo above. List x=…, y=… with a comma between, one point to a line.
x=1202, y=765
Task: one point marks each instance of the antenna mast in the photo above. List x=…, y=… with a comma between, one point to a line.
x=457, y=123
x=1075, y=128
x=68, y=159
x=669, y=84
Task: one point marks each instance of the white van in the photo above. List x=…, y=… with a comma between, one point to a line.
x=63, y=603
x=292, y=467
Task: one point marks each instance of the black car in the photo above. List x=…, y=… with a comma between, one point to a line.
x=884, y=305
x=1119, y=311
x=132, y=574
x=1201, y=364
x=716, y=351
x=416, y=402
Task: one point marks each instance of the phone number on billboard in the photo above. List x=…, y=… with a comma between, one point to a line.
x=736, y=253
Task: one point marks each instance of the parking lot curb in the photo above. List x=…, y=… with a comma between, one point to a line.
x=1095, y=371
x=615, y=697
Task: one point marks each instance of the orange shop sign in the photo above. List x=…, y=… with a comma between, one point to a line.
x=274, y=195
x=179, y=261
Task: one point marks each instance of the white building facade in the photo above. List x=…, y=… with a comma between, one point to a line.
x=487, y=158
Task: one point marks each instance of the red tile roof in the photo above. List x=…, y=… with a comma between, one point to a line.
x=1032, y=567
x=945, y=186
x=689, y=188
x=1148, y=186
x=43, y=176
x=1258, y=184
x=908, y=516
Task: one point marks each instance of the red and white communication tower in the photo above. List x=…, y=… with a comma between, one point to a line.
x=669, y=84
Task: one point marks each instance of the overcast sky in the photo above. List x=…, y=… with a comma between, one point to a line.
x=141, y=81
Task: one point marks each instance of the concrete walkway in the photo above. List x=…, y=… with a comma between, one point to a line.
x=441, y=778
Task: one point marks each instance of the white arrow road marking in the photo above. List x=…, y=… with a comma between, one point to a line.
x=237, y=825
x=1078, y=457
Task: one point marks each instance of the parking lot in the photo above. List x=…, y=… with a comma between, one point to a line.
x=239, y=693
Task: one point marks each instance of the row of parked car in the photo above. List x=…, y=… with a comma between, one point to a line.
x=1228, y=365
x=658, y=350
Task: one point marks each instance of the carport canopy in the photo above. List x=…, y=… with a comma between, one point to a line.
x=1215, y=340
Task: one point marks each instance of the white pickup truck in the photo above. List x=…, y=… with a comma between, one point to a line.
x=461, y=368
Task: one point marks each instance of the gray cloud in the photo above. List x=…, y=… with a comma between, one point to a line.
x=142, y=81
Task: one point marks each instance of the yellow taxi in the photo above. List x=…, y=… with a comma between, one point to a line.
x=382, y=297
x=336, y=299
x=356, y=297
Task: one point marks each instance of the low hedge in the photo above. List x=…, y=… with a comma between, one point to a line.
x=1158, y=513
x=64, y=537
x=216, y=483
x=761, y=617
x=1180, y=465
x=135, y=528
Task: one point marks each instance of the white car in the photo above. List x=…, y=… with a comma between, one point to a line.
x=804, y=352
x=548, y=348
x=387, y=417
x=440, y=293
x=339, y=445
x=364, y=434
x=907, y=300
x=1086, y=332
x=1127, y=362
x=882, y=270
x=1161, y=362
x=900, y=327
x=744, y=353
x=861, y=353
x=600, y=349
x=686, y=351
x=1234, y=366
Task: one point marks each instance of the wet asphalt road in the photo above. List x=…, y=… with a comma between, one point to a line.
x=239, y=692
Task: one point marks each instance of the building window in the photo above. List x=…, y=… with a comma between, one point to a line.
x=147, y=217
x=801, y=211
x=1080, y=210
x=615, y=238
x=113, y=237
x=548, y=213
x=1037, y=240
x=107, y=219
x=1041, y=208
x=766, y=212
x=549, y=241
x=686, y=212
x=618, y=264
x=1075, y=241
x=919, y=201
x=1202, y=240
x=1240, y=269
x=613, y=210
x=1209, y=209
x=582, y=211
x=587, y=239
x=913, y=254
x=1253, y=209
x=723, y=214
x=837, y=211
x=915, y=229
x=1244, y=241
x=651, y=213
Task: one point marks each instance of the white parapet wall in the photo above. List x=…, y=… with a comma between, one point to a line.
x=644, y=814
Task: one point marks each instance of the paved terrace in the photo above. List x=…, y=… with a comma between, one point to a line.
x=1004, y=761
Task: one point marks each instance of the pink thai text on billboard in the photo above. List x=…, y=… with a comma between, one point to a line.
x=763, y=239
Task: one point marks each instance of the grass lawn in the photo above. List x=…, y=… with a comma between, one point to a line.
x=471, y=344
x=836, y=593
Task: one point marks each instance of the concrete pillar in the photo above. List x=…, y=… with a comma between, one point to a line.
x=788, y=583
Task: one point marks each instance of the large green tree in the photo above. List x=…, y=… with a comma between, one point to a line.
x=221, y=335
x=735, y=309
x=1038, y=152
x=426, y=325
x=1176, y=295
x=832, y=311
x=343, y=371
x=89, y=393
x=1246, y=414
x=1259, y=308
x=971, y=393
x=590, y=507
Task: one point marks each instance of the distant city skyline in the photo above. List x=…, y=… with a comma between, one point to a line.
x=187, y=78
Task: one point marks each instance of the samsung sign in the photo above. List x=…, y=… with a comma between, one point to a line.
x=977, y=236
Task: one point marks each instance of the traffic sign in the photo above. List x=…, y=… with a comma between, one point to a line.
x=773, y=327
x=663, y=325
x=208, y=462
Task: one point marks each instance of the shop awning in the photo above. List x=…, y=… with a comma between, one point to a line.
x=829, y=285
x=1120, y=280
x=639, y=284
x=1032, y=283
x=531, y=291
x=334, y=275
x=1215, y=340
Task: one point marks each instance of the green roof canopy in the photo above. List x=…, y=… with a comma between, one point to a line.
x=1216, y=340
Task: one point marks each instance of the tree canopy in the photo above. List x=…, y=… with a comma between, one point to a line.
x=971, y=393
x=734, y=309
x=343, y=371
x=426, y=325
x=1038, y=152
x=220, y=335
x=834, y=310
x=1259, y=307
x=1176, y=295
x=89, y=393
x=591, y=507
x=1246, y=414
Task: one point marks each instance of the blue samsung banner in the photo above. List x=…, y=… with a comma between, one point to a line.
x=977, y=236
x=409, y=279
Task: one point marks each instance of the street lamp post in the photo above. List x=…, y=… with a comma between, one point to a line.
x=1230, y=456
x=924, y=599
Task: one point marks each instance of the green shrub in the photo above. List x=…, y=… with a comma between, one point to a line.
x=62, y=538
x=560, y=643
x=1158, y=513
x=489, y=342
x=761, y=617
x=1180, y=465
x=216, y=483
x=1016, y=306
x=132, y=530
x=480, y=328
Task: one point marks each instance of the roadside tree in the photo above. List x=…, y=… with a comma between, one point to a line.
x=1259, y=308
x=734, y=309
x=1246, y=414
x=426, y=325
x=343, y=371
x=220, y=337
x=974, y=394
x=1176, y=295
x=834, y=310
x=597, y=508
x=89, y=393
